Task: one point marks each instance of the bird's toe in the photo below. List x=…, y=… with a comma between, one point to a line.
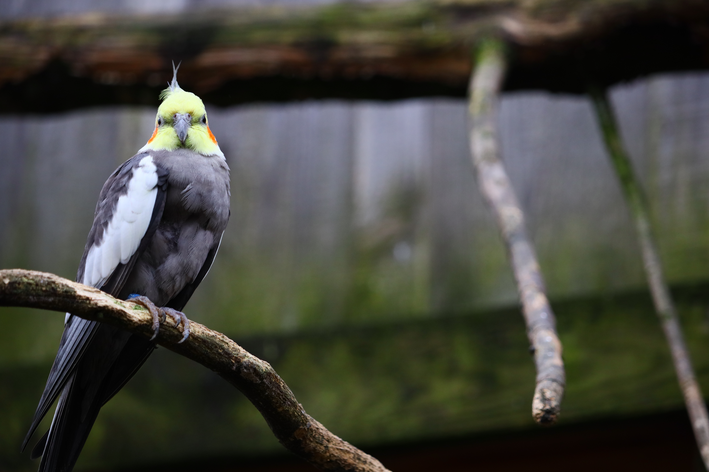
x=157, y=314
x=180, y=319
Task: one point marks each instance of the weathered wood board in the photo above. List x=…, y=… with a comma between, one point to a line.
x=375, y=386
x=70, y=57
x=368, y=212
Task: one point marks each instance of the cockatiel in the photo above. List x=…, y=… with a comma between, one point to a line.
x=157, y=227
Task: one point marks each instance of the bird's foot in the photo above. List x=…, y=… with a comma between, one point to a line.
x=180, y=319
x=150, y=306
x=159, y=315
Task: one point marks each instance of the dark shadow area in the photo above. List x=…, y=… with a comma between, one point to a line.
x=656, y=443
x=628, y=53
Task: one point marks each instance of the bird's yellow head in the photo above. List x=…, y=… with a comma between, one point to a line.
x=182, y=122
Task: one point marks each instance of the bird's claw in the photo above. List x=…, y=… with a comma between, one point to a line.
x=159, y=315
x=154, y=311
x=180, y=319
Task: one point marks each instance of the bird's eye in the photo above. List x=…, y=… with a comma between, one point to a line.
x=204, y=119
x=159, y=121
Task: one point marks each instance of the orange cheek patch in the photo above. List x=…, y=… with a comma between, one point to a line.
x=211, y=136
x=155, y=133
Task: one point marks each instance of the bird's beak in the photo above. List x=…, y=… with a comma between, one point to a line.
x=182, y=123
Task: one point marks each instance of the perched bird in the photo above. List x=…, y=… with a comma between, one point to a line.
x=157, y=227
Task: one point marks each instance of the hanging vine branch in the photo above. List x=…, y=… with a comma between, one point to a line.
x=661, y=297
x=485, y=85
x=256, y=379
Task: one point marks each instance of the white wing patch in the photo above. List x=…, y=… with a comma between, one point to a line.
x=129, y=222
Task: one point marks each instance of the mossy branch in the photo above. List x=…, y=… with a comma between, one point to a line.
x=255, y=378
x=664, y=306
x=351, y=50
x=495, y=185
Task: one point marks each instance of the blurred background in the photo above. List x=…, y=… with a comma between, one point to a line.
x=362, y=263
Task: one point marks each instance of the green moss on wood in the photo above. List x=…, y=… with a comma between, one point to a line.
x=407, y=381
x=556, y=45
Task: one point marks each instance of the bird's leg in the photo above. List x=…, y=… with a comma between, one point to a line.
x=159, y=315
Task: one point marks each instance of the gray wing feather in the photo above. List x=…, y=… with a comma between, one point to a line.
x=79, y=332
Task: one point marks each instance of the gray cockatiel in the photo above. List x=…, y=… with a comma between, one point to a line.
x=158, y=225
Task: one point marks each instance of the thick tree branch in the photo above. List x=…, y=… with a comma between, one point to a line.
x=348, y=49
x=256, y=379
x=664, y=306
x=495, y=185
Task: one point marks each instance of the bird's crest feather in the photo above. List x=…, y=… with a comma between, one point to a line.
x=171, y=86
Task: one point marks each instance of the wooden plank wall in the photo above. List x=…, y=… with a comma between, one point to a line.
x=363, y=212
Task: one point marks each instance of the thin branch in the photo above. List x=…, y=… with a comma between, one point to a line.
x=485, y=85
x=653, y=270
x=256, y=379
